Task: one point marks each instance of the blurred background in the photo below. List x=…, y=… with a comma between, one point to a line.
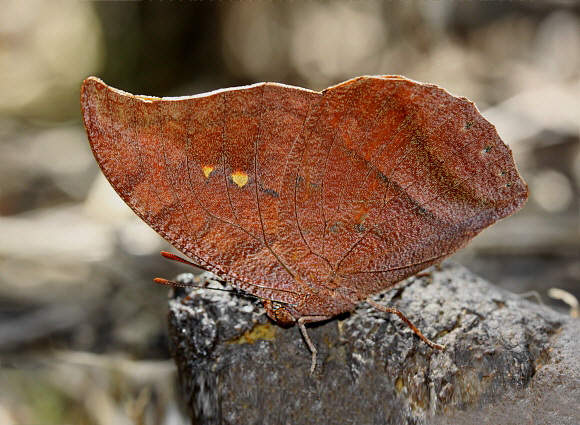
x=82, y=326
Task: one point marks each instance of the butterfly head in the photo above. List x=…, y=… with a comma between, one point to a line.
x=279, y=312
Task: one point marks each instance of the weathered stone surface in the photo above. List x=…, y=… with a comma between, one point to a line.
x=507, y=360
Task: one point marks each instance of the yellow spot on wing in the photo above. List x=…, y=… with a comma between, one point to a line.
x=240, y=178
x=207, y=169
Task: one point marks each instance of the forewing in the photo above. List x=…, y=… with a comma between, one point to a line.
x=205, y=171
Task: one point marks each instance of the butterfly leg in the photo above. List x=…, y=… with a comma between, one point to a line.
x=408, y=322
x=301, y=323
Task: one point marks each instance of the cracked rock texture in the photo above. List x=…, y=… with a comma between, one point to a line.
x=507, y=361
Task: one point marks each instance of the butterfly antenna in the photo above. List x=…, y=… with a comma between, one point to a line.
x=174, y=257
x=167, y=282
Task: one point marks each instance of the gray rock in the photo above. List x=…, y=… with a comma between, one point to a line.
x=507, y=361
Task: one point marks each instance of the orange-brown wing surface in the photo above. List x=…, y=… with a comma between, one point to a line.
x=284, y=191
x=391, y=177
x=205, y=171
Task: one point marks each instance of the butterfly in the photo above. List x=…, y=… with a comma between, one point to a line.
x=311, y=201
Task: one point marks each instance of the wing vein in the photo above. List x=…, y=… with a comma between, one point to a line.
x=224, y=146
x=296, y=201
x=256, y=185
x=449, y=224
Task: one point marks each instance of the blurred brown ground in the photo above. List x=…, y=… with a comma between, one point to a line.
x=82, y=326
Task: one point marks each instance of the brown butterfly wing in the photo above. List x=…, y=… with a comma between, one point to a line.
x=394, y=176
x=283, y=191
x=180, y=164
